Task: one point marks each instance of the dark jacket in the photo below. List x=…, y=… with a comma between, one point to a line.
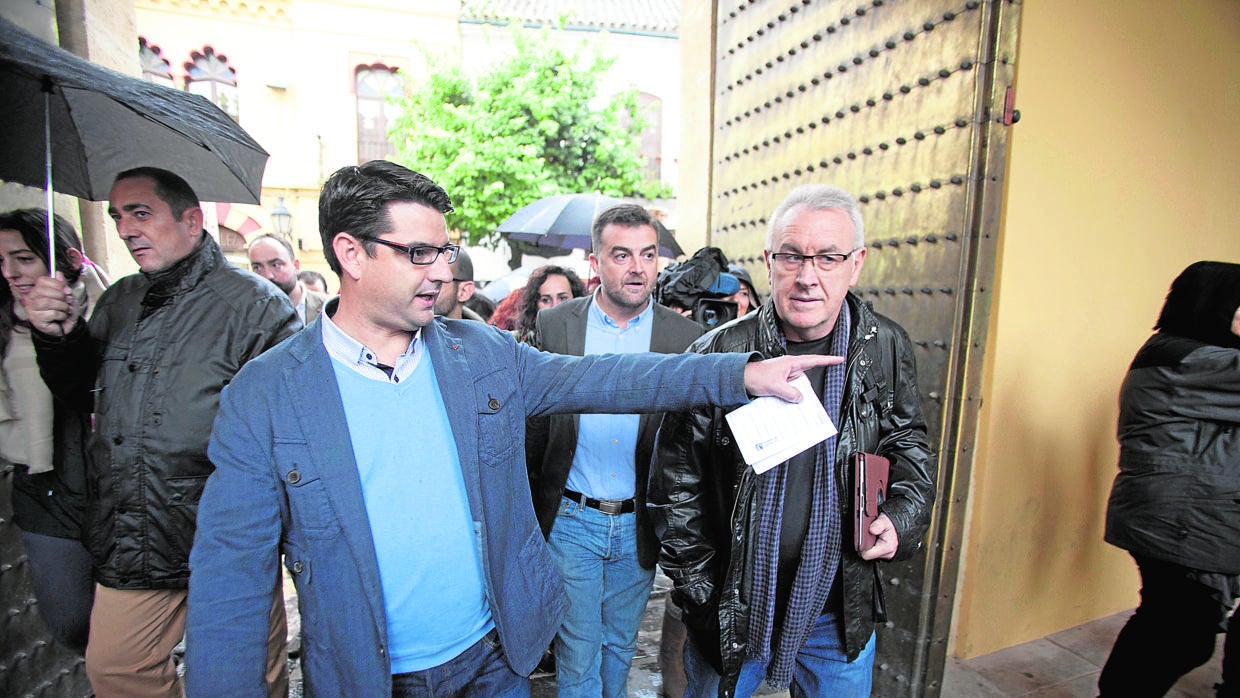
x=551, y=442
x=1177, y=495
x=51, y=503
x=155, y=383
x=702, y=494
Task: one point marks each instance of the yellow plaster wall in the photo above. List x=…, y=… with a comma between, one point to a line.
x=1124, y=169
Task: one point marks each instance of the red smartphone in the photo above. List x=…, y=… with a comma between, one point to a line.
x=870, y=475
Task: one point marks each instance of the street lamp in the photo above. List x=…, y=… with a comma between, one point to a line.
x=281, y=219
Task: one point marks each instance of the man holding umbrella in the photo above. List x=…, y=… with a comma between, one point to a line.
x=150, y=364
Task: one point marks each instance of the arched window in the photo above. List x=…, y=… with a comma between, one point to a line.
x=155, y=68
x=231, y=240
x=208, y=74
x=374, y=85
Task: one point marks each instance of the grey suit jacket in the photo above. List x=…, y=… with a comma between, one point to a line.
x=314, y=305
x=551, y=442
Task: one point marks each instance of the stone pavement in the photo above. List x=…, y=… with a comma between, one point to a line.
x=1064, y=664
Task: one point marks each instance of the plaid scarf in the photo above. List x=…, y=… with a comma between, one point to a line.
x=820, y=552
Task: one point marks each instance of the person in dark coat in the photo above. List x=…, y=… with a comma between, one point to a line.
x=44, y=439
x=746, y=299
x=150, y=364
x=1175, y=504
x=763, y=565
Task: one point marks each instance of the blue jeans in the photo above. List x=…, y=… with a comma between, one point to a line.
x=822, y=669
x=607, y=593
x=478, y=672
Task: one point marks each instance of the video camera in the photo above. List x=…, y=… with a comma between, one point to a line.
x=698, y=287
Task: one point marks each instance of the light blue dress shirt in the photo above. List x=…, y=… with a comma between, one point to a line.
x=603, y=466
x=364, y=360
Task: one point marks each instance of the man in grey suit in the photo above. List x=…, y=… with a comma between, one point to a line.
x=588, y=472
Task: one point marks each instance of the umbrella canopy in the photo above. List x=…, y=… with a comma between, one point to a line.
x=103, y=122
x=563, y=222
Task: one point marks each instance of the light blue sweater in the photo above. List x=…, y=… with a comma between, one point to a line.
x=434, y=595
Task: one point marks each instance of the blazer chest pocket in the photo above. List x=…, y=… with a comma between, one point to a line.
x=309, y=507
x=501, y=424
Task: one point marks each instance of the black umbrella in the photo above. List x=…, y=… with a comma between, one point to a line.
x=71, y=125
x=562, y=222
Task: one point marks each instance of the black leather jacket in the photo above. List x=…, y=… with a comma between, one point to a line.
x=702, y=494
x=154, y=385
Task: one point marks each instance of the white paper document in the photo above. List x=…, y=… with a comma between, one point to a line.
x=769, y=431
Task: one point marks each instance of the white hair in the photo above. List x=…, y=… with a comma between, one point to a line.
x=817, y=197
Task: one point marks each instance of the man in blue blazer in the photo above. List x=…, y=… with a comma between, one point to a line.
x=381, y=451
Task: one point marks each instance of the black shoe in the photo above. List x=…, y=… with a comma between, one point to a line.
x=546, y=665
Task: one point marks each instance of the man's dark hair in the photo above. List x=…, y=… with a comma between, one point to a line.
x=627, y=215
x=1202, y=302
x=354, y=200
x=463, y=267
x=310, y=275
x=482, y=304
x=284, y=243
x=169, y=187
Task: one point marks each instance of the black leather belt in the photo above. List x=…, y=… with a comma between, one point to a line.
x=607, y=506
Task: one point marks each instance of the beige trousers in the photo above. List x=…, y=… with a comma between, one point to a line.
x=133, y=633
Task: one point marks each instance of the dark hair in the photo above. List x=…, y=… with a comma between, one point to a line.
x=1202, y=302
x=463, y=267
x=482, y=304
x=742, y=275
x=283, y=243
x=31, y=224
x=528, y=308
x=627, y=215
x=308, y=275
x=169, y=187
x=354, y=200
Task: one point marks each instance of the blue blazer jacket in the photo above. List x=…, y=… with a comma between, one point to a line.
x=286, y=482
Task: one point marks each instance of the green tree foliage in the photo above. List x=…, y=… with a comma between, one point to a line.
x=528, y=126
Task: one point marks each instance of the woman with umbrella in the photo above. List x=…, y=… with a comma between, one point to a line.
x=42, y=438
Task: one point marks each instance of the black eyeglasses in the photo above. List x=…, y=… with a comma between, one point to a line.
x=789, y=261
x=422, y=254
